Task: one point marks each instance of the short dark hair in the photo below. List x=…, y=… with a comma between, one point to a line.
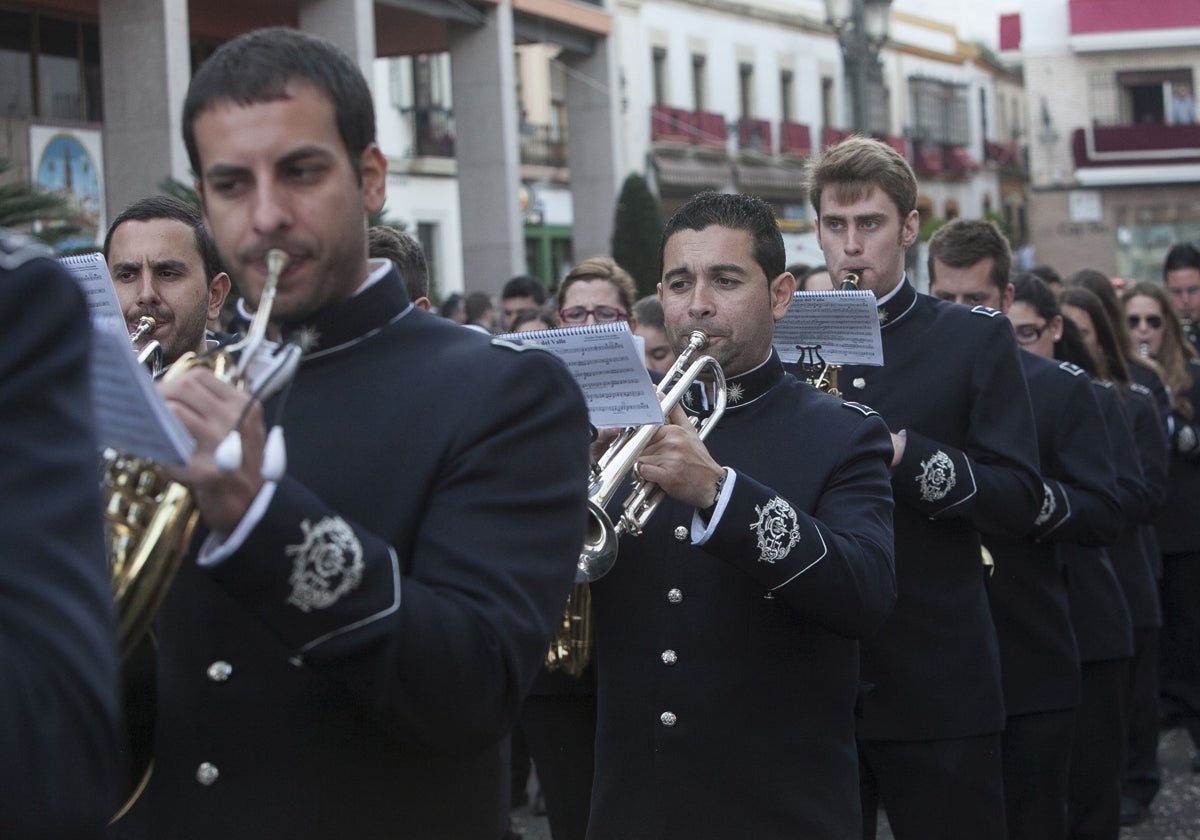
x=1047, y=273
x=476, y=304
x=1033, y=292
x=1181, y=255
x=857, y=165
x=735, y=212
x=257, y=67
x=649, y=312
x=405, y=251
x=962, y=243
x=524, y=285
x=168, y=207
x=451, y=304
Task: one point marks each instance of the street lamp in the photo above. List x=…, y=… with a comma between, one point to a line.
x=862, y=29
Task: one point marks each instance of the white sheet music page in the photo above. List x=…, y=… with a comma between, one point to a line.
x=845, y=325
x=131, y=416
x=610, y=367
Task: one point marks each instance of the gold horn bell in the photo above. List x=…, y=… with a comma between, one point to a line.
x=149, y=522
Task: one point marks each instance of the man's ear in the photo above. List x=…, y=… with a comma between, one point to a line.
x=782, y=288
x=218, y=290
x=373, y=166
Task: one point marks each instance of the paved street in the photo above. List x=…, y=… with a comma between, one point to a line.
x=1175, y=814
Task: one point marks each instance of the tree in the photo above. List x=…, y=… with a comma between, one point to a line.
x=637, y=230
x=48, y=216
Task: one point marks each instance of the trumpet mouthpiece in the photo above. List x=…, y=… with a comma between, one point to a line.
x=277, y=260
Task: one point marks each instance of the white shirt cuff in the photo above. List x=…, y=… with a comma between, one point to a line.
x=218, y=546
x=701, y=533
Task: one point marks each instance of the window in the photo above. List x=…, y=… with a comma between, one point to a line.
x=698, y=83
x=746, y=90
x=940, y=111
x=1136, y=97
x=66, y=55
x=658, y=59
x=786, y=94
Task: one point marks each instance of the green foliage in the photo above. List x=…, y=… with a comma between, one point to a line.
x=929, y=227
x=637, y=229
x=23, y=207
x=1001, y=221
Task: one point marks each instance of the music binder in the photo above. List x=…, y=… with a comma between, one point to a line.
x=609, y=365
x=131, y=416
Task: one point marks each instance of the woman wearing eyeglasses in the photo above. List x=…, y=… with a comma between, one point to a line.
x=1153, y=324
x=596, y=291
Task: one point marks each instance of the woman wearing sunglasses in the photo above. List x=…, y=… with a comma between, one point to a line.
x=1154, y=326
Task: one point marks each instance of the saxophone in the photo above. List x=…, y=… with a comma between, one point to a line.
x=149, y=521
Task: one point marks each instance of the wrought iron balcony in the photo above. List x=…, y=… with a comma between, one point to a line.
x=543, y=145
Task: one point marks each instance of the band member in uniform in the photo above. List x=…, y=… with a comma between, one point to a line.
x=164, y=264
x=953, y=393
x=59, y=708
x=346, y=651
x=1181, y=276
x=969, y=263
x=727, y=661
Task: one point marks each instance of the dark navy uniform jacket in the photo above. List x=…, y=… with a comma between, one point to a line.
x=952, y=380
x=1177, y=525
x=351, y=668
x=59, y=697
x=1028, y=589
x=728, y=671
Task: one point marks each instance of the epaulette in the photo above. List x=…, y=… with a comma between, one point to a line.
x=16, y=249
x=1140, y=389
x=1073, y=369
x=864, y=410
x=1103, y=383
x=517, y=345
x=986, y=310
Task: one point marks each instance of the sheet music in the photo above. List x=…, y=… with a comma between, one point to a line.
x=131, y=416
x=610, y=368
x=844, y=324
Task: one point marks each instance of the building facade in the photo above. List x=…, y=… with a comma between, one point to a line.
x=1114, y=163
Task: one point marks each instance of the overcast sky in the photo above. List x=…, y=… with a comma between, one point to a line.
x=976, y=20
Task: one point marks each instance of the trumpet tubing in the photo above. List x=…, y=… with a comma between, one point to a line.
x=599, y=552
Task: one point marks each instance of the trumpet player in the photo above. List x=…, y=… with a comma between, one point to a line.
x=164, y=265
x=953, y=394
x=345, y=649
x=726, y=632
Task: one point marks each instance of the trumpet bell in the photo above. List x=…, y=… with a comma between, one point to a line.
x=599, y=552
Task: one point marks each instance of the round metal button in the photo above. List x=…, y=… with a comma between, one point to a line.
x=219, y=671
x=207, y=773
x=681, y=533
x=669, y=657
x=859, y=383
x=668, y=718
x=674, y=596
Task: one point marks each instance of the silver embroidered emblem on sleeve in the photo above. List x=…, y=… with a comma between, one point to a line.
x=327, y=565
x=937, y=477
x=777, y=528
x=1048, y=505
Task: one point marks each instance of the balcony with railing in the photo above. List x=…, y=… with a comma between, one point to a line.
x=700, y=129
x=543, y=145
x=1136, y=145
x=433, y=131
x=754, y=135
x=795, y=139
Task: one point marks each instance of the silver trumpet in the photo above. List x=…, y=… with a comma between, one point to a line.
x=599, y=553
x=152, y=354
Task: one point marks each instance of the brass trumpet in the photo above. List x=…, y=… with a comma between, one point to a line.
x=152, y=354
x=599, y=552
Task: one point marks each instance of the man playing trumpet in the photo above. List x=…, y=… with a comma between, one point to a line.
x=726, y=630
